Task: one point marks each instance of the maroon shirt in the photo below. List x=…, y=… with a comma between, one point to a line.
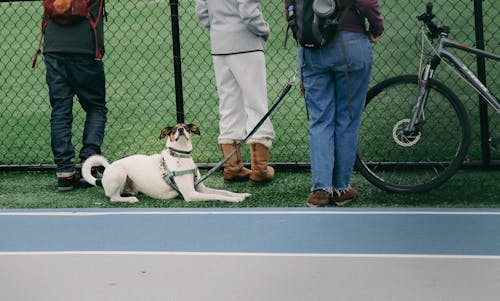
x=361, y=10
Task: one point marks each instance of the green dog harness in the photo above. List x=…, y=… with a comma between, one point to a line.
x=168, y=175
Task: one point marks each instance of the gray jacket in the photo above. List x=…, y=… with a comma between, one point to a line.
x=236, y=26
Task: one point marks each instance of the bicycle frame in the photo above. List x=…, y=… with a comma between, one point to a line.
x=441, y=53
x=443, y=42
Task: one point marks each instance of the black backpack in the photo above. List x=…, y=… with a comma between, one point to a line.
x=314, y=22
x=70, y=12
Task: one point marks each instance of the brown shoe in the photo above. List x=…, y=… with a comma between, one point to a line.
x=262, y=173
x=318, y=198
x=234, y=171
x=343, y=197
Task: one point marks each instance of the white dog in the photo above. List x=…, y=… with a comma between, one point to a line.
x=160, y=176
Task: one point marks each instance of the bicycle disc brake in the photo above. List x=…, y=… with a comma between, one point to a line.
x=402, y=138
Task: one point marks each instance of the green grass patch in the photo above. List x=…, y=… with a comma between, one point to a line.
x=467, y=189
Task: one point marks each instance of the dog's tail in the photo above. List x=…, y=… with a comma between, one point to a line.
x=95, y=160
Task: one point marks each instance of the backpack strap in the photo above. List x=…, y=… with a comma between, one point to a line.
x=45, y=22
x=290, y=19
x=93, y=24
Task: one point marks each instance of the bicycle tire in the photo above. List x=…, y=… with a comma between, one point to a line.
x=412, y=165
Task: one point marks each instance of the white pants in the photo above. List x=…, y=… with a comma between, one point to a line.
x=242, y=89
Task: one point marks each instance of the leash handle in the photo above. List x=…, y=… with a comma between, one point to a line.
x=281, y=96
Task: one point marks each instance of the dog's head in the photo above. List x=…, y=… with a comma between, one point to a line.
x=179, y=136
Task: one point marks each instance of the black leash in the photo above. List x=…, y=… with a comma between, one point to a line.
x=281, y=96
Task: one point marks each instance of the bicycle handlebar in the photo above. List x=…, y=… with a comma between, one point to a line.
x=434, y=29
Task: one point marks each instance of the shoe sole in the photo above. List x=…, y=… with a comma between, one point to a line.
x=342, y=203
x=253, y=183
x=235, y=180
x=315, y=206
x=65, y=189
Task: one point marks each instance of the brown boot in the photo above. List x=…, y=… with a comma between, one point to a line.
x=261, y=171
x=234, y=171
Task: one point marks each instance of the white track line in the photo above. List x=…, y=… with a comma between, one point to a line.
x=281, y=212
x=250, y=254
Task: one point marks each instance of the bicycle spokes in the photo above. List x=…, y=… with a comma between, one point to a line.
x=408, y=152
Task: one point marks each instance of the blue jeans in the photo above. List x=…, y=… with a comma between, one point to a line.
x=67, y=76
x=336, y=80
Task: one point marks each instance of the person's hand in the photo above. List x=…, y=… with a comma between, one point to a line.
x=373, y=39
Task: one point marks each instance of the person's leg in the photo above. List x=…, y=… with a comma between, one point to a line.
x=88, y=78
x=61, y=100
x=249, y=69
x=319, y=88
x=232, y=121
x=232, y=116
x=352, y=85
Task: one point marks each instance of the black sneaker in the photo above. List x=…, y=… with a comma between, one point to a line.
x=65, y=182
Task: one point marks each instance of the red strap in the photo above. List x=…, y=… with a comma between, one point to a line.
x=93, y=24
x=45, y=22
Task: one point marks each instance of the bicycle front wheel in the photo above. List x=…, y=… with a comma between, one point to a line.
x=396, y=162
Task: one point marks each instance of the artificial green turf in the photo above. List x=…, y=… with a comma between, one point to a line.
x=467, y=189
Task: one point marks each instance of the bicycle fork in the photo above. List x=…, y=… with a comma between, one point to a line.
x=413, y=129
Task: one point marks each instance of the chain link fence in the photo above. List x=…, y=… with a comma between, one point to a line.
x=141, y=88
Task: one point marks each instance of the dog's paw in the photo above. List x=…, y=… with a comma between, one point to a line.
x=129, y=199
x=233, y=199
x=132, y=200
x=243, y=196
x=238, y=199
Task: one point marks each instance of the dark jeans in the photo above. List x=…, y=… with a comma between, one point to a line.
x=67, y=76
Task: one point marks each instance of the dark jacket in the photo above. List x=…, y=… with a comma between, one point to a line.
x=77, y=38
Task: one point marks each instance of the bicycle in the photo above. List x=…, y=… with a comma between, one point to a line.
x=426, y=136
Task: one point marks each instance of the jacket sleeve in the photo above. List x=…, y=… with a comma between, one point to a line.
x=252, y=17
x=202, y=12
x=371, y=11
x=287, y=4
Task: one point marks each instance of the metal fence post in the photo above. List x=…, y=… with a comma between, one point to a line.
x=176, y=46
x=481, y=73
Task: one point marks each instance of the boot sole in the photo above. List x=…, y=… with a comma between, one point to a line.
x=252, y=183
x=236, y=180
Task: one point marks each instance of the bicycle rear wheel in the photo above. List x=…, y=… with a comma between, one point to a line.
x=398, y=163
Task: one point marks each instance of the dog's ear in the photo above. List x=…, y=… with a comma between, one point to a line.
x=194, y=129
x=166, y=131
